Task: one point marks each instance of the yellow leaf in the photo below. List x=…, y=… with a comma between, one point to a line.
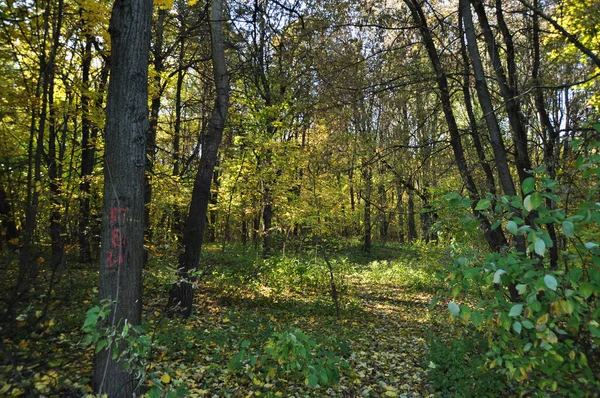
x=5, y=389
x=17, y=392
x=391, y=394
x=165, y=378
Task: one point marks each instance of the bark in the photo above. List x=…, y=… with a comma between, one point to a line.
x=550, y=134
x=157, y=53
x=56, y=229
x=126, y=129
x=182, y=293
x=412, y=225
x=8, y=226
x=473, y=131
x=400, y=210
x=485, y=101
x=28, y=267
x=367, y=175
x=495, y=238
x=509, y=94
x=87, y=155
x=267, y=216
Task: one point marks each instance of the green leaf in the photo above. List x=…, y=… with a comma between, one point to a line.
x=154, y=392
x=528, y=324
x=550, y=282
x=476, y=318
x=516, y=310
x=101, y=344
x=512, y=227
x=497, y=275
x=568, y=229
x=575, y=274
x=453, y=308
x=586, y=289
x=517, y=327
x=521, y=288
x=313, y=380
x=536, y=200
x=528, y=185
x=540, y=247
x=591, y=245
x=483, y=204
x=527, y=203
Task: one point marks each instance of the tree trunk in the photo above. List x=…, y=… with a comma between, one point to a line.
x=8, y=226
x=400, y=210
x=367, y=176
x=28, y=267
x=474, y=131
x=550, y=134
x=182, y=292
x=495, y=238
x=509, y=94
x=126, y=129
x=157, y=52
x=57, y=244
x=412, y=225
x=485, y=101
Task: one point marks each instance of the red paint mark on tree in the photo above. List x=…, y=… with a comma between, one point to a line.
x=115, y=255
x=117, y=214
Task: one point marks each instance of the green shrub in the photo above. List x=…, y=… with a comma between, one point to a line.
x=458, y=369
x=290, y=354
x=542, y=321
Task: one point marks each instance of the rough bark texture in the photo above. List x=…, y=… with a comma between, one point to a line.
x=122, y=253
x=182, y=293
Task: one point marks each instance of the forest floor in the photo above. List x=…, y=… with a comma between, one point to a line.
x=376, y=347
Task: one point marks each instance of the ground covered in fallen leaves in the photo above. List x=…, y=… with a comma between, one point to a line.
x=381, y=333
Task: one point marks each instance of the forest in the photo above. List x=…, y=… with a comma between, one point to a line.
x=299, y=198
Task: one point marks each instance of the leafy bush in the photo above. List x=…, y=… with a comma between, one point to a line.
x=131, y=345
x=542, y=320
x=459, y=369
x=290, y=354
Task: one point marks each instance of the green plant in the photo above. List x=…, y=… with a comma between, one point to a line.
x=290, y=354
x=129, y=344
x=458, y=368
x=541, y=317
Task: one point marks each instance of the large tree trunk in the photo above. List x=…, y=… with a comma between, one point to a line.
x=182, y=292
x=122, y=253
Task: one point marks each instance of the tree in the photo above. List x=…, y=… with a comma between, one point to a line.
x=182, y=292
x=122, y=252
